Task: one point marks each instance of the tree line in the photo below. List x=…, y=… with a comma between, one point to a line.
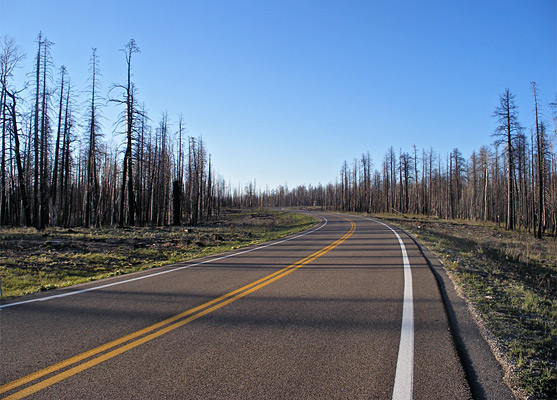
x=512, y=182
x=57, y=170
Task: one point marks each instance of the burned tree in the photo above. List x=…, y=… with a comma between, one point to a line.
x=506, y=133
x=128, y=117
x=92, y=212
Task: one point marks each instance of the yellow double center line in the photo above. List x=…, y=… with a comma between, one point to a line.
x=111, y=349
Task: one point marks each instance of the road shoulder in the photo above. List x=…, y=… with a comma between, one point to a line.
x=484, y=373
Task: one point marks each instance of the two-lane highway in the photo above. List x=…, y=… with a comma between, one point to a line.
x=347, y=310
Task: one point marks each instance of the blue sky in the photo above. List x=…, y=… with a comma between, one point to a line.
x=285, y=91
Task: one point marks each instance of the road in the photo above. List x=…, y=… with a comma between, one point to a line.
x=314, y=316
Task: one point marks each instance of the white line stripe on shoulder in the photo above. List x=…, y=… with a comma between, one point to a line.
x=404, y=376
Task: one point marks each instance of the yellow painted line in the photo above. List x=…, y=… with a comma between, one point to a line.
x=197, y=312
x=80, y=357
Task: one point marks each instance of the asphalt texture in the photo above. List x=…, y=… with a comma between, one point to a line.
x=323, y=327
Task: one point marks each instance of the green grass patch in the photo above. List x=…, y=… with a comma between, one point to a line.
x=32, y=261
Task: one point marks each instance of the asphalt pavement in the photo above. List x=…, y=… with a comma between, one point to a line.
x=315, y=316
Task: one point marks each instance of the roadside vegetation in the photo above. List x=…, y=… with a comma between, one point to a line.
x=33, y=261
x=510, y=278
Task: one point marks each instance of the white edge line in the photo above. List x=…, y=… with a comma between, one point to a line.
x=404, y=376
x=324, y=220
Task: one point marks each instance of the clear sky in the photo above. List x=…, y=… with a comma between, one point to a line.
x=285, y=91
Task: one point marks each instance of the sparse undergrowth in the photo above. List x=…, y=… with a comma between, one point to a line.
x=511, y=280
x=32, y=261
